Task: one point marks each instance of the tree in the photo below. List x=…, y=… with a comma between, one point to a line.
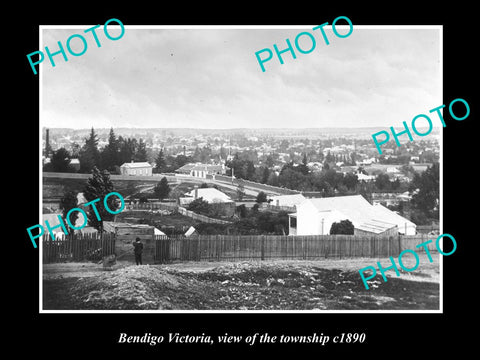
x=350, y=181
x=265, y=175
x=110, y=154
x=240, y=190
x=68, y=202
x=269, y=162
x=141, y=153
x=89, y=155
x=427, y=190
x=261, y=197
x=242, y=211
x=249, y=170
x=382, y=182
x=200, y=206
x=162, y=189
x=98, y=186
x=160, y=163
x=60, y=161
x=344, y=227
x=127, y=147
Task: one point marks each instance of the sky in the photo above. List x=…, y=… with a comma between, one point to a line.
x=202, y=77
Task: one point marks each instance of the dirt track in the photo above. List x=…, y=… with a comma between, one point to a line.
x=266, y=285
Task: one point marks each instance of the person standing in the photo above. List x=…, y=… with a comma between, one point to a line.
x=137, y=250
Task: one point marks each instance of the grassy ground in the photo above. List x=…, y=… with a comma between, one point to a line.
x=253, y=285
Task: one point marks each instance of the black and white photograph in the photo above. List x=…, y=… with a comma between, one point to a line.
x=241, y=168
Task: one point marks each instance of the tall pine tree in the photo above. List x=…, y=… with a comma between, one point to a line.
x=160, y=164
x=89, y=155
x=98, y=186
x=141, y=153
x=110, y=154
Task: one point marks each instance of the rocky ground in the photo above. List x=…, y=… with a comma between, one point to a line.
x=270, y=285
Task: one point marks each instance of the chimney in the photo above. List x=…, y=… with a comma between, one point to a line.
x=196, y=193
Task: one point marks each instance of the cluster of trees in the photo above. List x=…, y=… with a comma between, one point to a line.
x=169, y=163
x=295, y=176
x=426, y=195
x=118, y=151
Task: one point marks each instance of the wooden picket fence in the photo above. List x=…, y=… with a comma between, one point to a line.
x=93, y=247
x=77, y=247
x=228, y=247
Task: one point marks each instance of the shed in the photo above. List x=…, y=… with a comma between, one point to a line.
x=125, y=235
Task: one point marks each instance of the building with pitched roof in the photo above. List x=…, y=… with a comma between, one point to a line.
x=316, y=216
x=201, y=170
x=136, y=169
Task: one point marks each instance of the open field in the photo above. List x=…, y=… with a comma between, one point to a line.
x=253, y=285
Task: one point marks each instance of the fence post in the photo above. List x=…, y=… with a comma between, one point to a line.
x=262, y=247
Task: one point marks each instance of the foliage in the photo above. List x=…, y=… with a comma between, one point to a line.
x=68, y=202
x=162, y=189
x=199, y=206
x=110, y=154
x=89, y=155
x=97, y=187
x=242, y=211
x=344, y=227
x=426, y=188
x=261, y=197
x=160, y=163
x=240, y=191
x=59, y=162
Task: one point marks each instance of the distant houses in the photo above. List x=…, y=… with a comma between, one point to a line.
x=201, y=170
x=316, y=216
x=136, y=169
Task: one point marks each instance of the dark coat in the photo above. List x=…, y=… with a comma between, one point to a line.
x=138, y=248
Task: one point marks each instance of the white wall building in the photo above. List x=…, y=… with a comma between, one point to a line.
x=136, y=169
x=316, y=216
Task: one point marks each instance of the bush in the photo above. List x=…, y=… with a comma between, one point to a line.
x=344, y=227
x=261, y=197
x=200, y=206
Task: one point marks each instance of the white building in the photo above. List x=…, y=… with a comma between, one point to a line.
x=136, y=169
x=201, y=170
x=287, y=200
x=210, y=195
x=316, y=216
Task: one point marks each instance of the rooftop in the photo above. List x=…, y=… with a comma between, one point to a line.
x=136, y=165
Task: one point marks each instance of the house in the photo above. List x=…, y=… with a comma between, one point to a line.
x=287, y=200
x=366, y=178
x=201, y=170
x=74, y=164
x=210, y=195
x=420, y=167
x=316, y=216
x=136, y=168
